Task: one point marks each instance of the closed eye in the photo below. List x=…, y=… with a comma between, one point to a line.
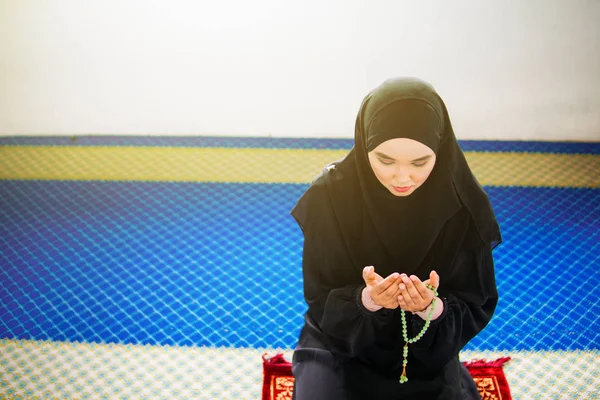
x=420, y=162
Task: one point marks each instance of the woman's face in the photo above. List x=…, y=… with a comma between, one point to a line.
x=402, y=165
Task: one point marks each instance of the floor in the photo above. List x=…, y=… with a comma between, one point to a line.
x=164, y=267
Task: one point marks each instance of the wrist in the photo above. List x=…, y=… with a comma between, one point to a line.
x=438, y=308
x=368, y=302
x=426, y=308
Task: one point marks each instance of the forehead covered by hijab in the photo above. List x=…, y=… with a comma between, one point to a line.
x=402, y=108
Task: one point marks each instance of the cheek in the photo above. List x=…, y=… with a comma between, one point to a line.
x=381, y=174
x=421, y=175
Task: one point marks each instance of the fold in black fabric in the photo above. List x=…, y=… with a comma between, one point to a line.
x=350, y=221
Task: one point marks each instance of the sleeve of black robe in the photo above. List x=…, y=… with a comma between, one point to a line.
x=333, y=295
x=347, y=326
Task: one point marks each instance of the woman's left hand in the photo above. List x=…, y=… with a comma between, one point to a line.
x=414, y=295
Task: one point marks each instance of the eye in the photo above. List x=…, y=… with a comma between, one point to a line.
x=421, y=164
x=386, y=162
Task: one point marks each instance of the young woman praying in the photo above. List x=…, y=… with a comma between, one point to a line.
x=397, y=261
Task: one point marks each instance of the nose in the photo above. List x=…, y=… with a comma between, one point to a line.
x=402, y=174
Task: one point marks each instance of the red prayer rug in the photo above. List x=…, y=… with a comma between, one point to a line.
x=278, y=381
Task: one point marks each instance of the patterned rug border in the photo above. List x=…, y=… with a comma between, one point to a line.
x=278, y=381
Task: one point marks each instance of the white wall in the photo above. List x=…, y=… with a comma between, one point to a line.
x=507, y=68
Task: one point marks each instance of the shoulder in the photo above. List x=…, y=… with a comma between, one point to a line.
x=335, y=183
x=315, y=196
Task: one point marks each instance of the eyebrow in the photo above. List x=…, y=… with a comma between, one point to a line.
x=383, y=155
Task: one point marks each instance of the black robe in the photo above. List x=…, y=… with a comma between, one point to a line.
x=368, y=345
x=350, y=221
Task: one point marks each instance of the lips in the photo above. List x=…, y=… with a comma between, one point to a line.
x=401, y=189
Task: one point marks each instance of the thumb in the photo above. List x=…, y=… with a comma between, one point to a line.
x=368, y=275
x=434, y=279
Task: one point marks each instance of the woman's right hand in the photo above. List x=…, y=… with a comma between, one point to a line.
x=383, y=292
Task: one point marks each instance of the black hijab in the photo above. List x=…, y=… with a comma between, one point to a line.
x=397, y=233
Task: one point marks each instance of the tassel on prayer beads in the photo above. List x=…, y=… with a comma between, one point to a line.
x=403, y=377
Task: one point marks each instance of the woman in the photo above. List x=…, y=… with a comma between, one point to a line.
x=397, y=263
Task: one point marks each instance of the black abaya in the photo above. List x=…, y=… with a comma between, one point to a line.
x=363, y=349
x=350, y=221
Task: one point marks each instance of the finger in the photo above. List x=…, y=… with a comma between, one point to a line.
x=411, y=288
x=403, y=277
x=368, y=275
x=404, y=288
x=408, y=301
x=391, y=292
x=434, y=279
x=401, y=285
x=385, y=290
x=383, y=285
x=402, y=303
x=421, y=287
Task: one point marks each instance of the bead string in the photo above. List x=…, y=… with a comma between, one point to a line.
x=403, y=377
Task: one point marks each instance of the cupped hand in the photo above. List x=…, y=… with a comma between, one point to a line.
x=414, y=294
x=384, y=292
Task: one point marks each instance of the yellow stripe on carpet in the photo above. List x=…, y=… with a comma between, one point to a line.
x=257, y=165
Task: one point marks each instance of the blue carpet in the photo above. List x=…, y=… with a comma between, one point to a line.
x=219, y=264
